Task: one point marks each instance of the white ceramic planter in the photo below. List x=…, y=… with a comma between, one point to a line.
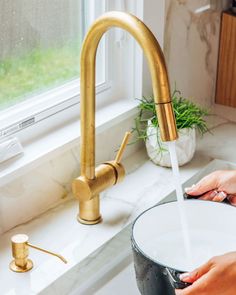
x=185, y=146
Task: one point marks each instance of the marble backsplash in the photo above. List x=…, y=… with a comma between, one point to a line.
x=191, y=42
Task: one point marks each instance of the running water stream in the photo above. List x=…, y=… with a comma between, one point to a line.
x=180, y=201
x=189, y=233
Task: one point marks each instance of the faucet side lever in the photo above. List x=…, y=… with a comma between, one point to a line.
x=122, y=147
x=106, y=175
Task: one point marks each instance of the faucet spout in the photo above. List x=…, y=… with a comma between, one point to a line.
x=89, y=208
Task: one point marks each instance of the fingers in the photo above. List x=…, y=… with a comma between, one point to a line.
x=208, y=196
x=196, y=288
x=200, y=285
x=208, y=183
x=214, y=195
x=219, y=197
x=196, y=274
x=232, y=199
x=178, y=292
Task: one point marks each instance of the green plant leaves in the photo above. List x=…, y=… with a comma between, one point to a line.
x=187, y=114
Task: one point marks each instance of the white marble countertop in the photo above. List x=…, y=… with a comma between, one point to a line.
x=58, y=231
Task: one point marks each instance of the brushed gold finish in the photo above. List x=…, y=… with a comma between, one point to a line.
x=92, y=181
x=48, y=252
x=165, y=113
x=28, y=266
x=119, y=169
x=20, y=253
x=122, y=147
x=87, y=190
x=90, y=211
x=84, y=189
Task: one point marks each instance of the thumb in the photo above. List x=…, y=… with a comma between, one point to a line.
x=193, y=276
x=206, y=184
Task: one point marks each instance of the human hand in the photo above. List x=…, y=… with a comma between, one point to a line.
x=216, y=277
x=216, y=187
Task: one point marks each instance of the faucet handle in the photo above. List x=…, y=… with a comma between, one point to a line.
x=122, y=147
x=20, y=253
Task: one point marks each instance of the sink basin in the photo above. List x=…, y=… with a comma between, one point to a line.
x=115, y=281
x=109, y=270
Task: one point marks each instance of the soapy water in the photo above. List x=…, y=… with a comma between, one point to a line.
x=187, y=253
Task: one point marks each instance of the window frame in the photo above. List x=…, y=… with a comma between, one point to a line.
x=15, y=119
x=30, y=122
x=60, y=134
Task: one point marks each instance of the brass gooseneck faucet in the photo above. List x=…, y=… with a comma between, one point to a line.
x=93, y=181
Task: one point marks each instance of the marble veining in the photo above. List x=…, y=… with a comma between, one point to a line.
x=191, y=46
x=191, y=33
x=58, y=229
x=41, y=200
x=49, y=184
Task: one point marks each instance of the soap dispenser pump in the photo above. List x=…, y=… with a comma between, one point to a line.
x=20, y=253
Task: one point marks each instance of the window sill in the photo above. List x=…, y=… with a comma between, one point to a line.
x=48, y=146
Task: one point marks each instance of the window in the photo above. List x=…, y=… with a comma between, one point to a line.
x=41, y=42
x=39, y=58
x=39, y=62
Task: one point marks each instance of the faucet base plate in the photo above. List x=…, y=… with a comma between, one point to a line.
x=16, y=268
x=89, y=222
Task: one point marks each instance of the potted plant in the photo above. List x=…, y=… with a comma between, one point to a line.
x=189, y=118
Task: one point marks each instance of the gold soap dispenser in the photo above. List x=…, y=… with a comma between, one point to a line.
x=20, y=253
